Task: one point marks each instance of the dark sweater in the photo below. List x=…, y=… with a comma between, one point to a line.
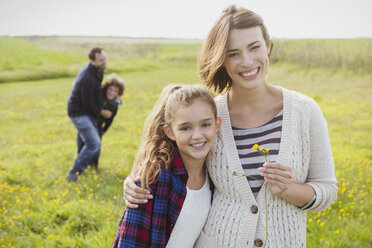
x=85, y=98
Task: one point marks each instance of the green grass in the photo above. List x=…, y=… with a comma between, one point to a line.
x=35, y=58
x=348, y=55
x=38, y=208
x=21, y=60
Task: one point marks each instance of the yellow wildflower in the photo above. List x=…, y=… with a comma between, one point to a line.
x=255, y=147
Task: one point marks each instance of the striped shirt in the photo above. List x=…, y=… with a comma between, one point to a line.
x=267, y=136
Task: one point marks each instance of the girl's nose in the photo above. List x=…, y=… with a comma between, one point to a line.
x=197, y=133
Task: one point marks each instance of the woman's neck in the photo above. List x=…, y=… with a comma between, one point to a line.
x=249, y=98
x=249, y=108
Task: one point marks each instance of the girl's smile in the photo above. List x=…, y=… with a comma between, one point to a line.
x=199, y=145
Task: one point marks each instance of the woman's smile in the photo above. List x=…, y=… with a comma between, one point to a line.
x=250, y=74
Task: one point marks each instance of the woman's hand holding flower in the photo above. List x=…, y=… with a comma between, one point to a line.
x=278, y=177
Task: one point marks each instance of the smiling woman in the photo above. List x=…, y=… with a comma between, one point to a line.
x=299, y=175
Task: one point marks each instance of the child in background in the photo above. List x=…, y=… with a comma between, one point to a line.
x=170, y=163
x=111, y=91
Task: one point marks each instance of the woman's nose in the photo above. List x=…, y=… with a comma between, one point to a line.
x=247, y=59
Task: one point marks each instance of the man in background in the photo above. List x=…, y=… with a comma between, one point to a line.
x=84, y=107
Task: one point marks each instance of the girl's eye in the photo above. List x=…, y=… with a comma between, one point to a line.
x=255, y=47
x=185, y=128
x=206, y=124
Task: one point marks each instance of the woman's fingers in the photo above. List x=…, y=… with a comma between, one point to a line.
x=272, y=169
x=130, y=205
x=129, y=200
x=277, y=177
x=275, y=172
x=133, y=194
x=131, y=185
x=277, y=188
x=277, y=165
x=281, y=182
x=134, y=190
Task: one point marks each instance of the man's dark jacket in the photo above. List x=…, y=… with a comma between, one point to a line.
x=85, y=98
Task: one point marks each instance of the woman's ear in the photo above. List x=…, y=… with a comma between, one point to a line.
x=269, y=48
x=168, y=131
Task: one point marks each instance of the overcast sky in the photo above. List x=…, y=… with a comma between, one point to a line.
x=182, y=18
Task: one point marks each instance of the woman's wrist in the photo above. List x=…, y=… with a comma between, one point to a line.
x=309, y=204
x=298, y=194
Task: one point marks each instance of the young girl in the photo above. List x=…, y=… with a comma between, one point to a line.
x=170, y=163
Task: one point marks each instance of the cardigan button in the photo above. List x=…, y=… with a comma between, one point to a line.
x=258, y=243
x=254, y=209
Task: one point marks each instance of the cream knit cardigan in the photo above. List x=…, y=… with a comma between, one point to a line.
x=304, y=146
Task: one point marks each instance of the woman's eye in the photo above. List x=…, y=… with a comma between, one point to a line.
x=230, y=55
x=255, y=47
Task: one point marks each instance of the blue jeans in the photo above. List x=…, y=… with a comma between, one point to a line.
x=80, y=145
x=87, y=130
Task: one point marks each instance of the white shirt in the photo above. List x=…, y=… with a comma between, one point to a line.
x=192, y=217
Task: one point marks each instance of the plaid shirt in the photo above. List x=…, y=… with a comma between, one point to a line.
x=151, y=224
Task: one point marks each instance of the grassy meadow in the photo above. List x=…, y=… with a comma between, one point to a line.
x=38, y=208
